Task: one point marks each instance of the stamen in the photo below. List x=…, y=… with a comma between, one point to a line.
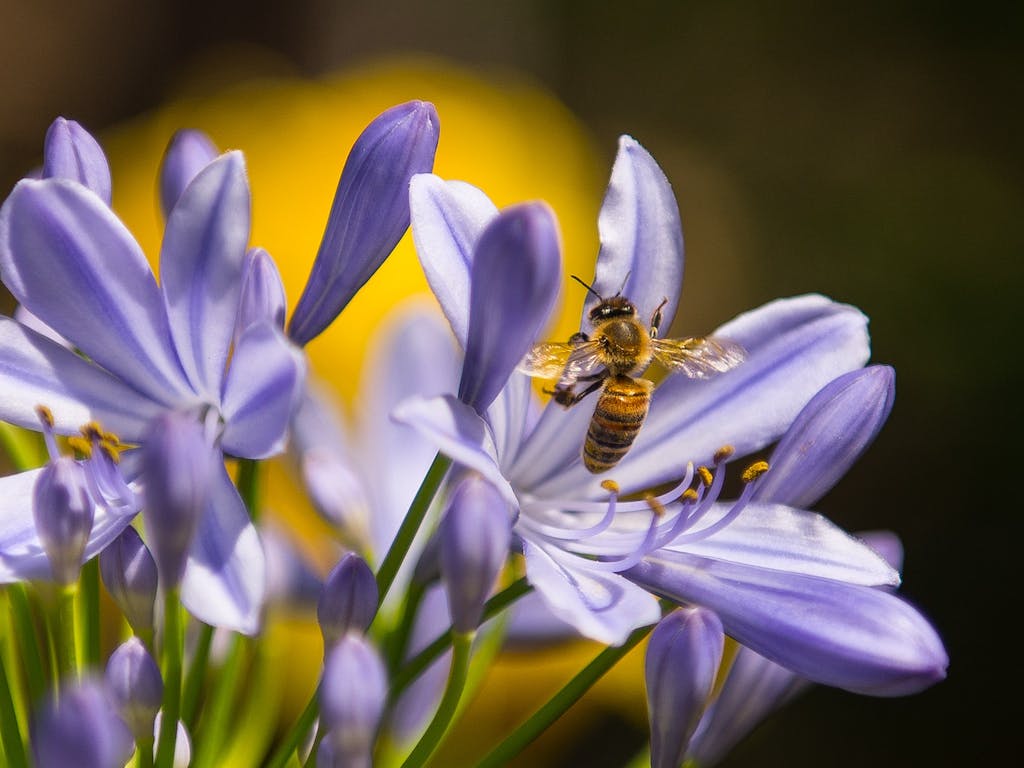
x=656, y=506
x=112, y=450
x=706, y=476
x=569, y=534
x=610, y=485
x=723, y=453
x=689, y=495
x=635, y=556
x=724, y=520
x=92, y=431
x=80, y=446
x=45, y=416
x=46, y=419
x=754, y=471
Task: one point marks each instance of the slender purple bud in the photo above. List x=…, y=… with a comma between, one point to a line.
x=828, y=436
x=70, y=152
x=177, y=464
x=188, y=152
x=475, y=534
x=352, y=696
x=370, y=212
x=348, y=601
x=129, y=574
x=514, y=281
x=82, y=730
x=135, y=687
x=683, y=656
x=262, y=297
x=64, y=510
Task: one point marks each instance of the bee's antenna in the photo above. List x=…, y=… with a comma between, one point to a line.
x=599, y=296
x=623, y=286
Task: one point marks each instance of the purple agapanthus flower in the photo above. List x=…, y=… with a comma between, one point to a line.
x=598, y=561
x=144, y=350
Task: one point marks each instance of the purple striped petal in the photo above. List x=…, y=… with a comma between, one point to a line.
x=862, y=639
x=262, y=297
x=447, y=220
x=641, y=253
x=188, y=152
x=70, y=152
x=225, y=579
x=201, y=269
x=514, y=282
x=828, y=436
x=72, y=263
x=370, y=212
x=261, y=391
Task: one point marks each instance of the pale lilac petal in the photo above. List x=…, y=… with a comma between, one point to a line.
x=641, y=253
x=21, y=553
x=370, y=212
x=601, y=605
x=262, y=296
x=828, y=436
x=261, y=391
x=72, y=263
x=513, y=415
x=531, y=623
x=188, y=152
x=201, y=268
x=79, y=728
x=553, y=448
x=32, y=322
x=70, y=152
x=887, y=544
x=459, y=433
x=36, y=371
x=225, y=578
x=513, y=286
x=447, y=219
x=791, y=540
x=862, y=639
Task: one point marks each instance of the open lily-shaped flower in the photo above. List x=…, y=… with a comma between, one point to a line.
x=598, y=561
x=141, y=350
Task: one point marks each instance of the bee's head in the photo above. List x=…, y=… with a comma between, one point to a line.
x=616, y=306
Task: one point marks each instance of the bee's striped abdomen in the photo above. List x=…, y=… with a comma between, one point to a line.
x=618, y=416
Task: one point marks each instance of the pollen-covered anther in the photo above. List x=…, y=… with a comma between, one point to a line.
x=689, y=496
x=45, y=416
x=754, y=471
x=706, y=476
x=92, y=431
x=656, y=506
x=723, y=453
x=80, y=446
x=111, y=449
x=611, y=486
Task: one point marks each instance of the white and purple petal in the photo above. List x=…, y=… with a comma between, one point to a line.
x=70, y=152
x=188, y=152
x=262, y=296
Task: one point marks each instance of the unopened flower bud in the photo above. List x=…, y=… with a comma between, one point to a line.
x=135, y=687
x=70, y=152
x=348, y=601
x=80, y=729
x=129, y=574
x=187, y=154
x=262, y=298
x=682, y=660
x=177, y=464
x=64, y=510
x=352, y=696
x=475, y=534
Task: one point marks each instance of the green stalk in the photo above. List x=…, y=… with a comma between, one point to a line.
x=28, y=641
x=89, y=613
x=10, y=732
x=560, y=703
x=462, y=643
x=248, y=485
x=21, y=446
x=174, y=641
x=410, y=525
x=144, y=753
x=287, y=747
x=218, y=715
x=67, y=657
x=195, y=676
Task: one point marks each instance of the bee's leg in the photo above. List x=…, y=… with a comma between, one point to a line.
x=567, y=398
x=656, y=318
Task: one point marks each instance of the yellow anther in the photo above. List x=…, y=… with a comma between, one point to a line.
x=656, y=506
x=92, y=431
x=689, y=495
x=723, y=453
x=110, y=437
x=611, y=486
x=112, y=450
x=80, y=445
x=45, y=415
x=705, y=475
x=754, y=471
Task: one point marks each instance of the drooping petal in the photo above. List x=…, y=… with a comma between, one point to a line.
x=262, y=296
x=201, y=268
x=601, y=605
x=37, y=371
x=72, y=263
x=261, y=391
x=225, y=579
x=70, y=152
x=514, y=282
x=188, y=152
x=459, y=433
x=641, y=253
x=370, y=212
x=863, y=639
x=828, y=436
x=447, y=219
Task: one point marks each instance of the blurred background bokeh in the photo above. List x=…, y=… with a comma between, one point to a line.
x=871, y=153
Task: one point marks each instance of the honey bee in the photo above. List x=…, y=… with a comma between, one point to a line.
x=611, y=359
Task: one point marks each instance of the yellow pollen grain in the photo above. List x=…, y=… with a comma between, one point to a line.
x=92, y=430
x=689, y=495
x=45, y=415
x=111, y=450
x=610, y=485
x=80, y=445
x=723, y=453
x=705, y=475
x=110, y=437
x=656, y=506
x=754, y=471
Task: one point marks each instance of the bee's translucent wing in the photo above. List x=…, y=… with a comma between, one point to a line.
x=566, y=362
x=698, y=357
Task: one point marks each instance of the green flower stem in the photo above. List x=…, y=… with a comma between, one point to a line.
x=174, y=641
x=248, y=485
x=89, y=613
x=287, y=747
x=217, y=718
x=462, y=643
x=195, y=676
x=67, y=657
x=10, y=732
x=560, y=703
x=410, y=525
x=418, y=663
x=144, y=753
x=29, y=642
